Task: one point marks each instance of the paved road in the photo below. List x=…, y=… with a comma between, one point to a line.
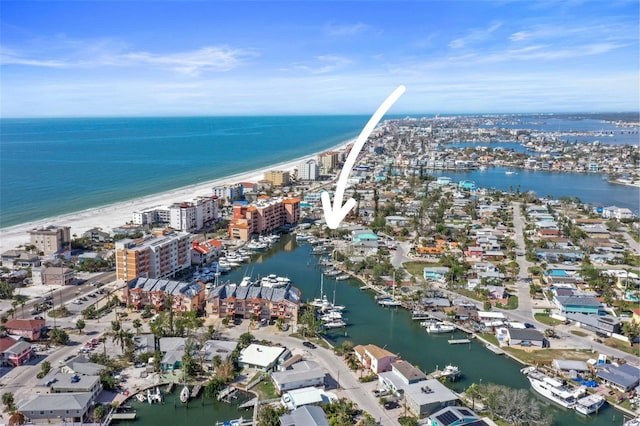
x=349, y=385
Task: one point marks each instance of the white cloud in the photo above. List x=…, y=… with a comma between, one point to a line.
x=474, y=36
x=192, y=62
x=341, y=30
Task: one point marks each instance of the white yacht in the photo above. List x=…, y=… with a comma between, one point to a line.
x=436, y=327
x=589, y=404
x=559, y=392
x=184, y=394
x=452, y=372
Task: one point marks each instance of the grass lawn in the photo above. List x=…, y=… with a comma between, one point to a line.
x=266, y=389
x=416, y=268
x=618, y=344
x=548, y=355
x=579, y=333
x=546, y=319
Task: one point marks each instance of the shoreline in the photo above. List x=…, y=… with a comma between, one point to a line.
x=119, y=213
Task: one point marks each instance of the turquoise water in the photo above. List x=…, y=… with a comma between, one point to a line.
x=56, y=166
x=50, y=167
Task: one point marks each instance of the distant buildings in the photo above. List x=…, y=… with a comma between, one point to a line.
x=229, y=192
x=328, y=161
x=277, y=177
x=308, y=170
x=265, y=215
x=157, y=256
x=51, y=239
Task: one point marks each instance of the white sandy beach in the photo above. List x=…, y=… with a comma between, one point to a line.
x=117, y=214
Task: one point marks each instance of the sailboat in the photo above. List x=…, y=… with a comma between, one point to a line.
x=391, y=301
x=184, y=393
x=321, y=301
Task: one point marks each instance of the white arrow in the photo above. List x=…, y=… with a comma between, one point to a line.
x=333, y=215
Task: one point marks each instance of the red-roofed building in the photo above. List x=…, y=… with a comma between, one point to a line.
x=203, y=252
x=15, y=352
x=265, y=215
x=30, y=329
x=636, y=315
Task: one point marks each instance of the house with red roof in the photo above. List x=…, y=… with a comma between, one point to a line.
x=15, y=352
x=30, y=329
x=204, y=252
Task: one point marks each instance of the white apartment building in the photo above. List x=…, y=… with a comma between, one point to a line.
x=230, y=192
x=308, y=170
x=187, y=216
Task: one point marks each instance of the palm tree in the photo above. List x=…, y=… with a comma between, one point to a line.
x=473, y=392
x=17, y=418
x=137, y=324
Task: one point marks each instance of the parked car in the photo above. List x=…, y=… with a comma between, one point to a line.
x=308, y=344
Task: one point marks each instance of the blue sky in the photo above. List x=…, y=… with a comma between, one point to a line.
x=141, y=58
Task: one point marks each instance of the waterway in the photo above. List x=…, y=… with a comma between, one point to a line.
x=199, y=411
x=392, y=329
x=590, y=188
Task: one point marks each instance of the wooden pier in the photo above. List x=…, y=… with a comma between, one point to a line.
x=169, y=388
x=249, y=403
x=496, y=350
x=227, y=393
x=196, y=390
x=458, y=341
x=123, y=416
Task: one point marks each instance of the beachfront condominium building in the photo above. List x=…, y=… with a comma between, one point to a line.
x=194, y=215
x=264, y=215
x=328, y=160
x=229, y=192
x=308, y=170
x=188, y=216
x=277, y=177
x=157, y=256
x=51, y=239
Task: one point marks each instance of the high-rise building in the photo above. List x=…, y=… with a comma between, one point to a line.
x=328, y=160
x=277, y=177
x=264, y=215
x=157, y=256
x=51, y=239
x=308, y=170
x=230, y=192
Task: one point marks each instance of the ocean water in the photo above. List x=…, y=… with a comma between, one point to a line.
x=50, y=167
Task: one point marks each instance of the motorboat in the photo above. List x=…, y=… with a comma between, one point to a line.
x=435, y=327
x=342, y=277
x=589, y=404
x=389, y=302
x=184, y=394
x=451, y=372
x=562, y=393
x=334, y=324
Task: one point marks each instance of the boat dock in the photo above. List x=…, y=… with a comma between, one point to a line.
x=458, y=341
x=227, y=393
x=196, y=390
x=123, y=416
x=169, y=388
x=496, y=350
x=237, y=422
x=249, y=403
x=419, y=315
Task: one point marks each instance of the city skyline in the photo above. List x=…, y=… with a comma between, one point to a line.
x=273, y=58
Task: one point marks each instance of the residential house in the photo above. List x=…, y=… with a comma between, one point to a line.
x=569, y=365
x=97, y=235
x=374, y=358
x=56, y=407
x=299, y=375
x=364, y=242
x=15, y=352
x=19, y=258
x=260, y=357
x=57, y=275
x=306, y=396
x=435, y=273
x=525, y=337
x=622, y=377
x=577, y=304
x=30, y=329
x=605, y=324
x=215, y=348
x=454, y=416
x=307, y=415
x=172, y=350
x=81, y=365
x=71, y=383
x=205, y=252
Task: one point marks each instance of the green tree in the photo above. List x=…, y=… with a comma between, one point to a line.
x=213, y=387
x=80, y=325
x=137, y=324
x=45, y=367
x=58, y=336
x=408, y=421
x=270, y=416
x=98, y=412
x=6, y=290
x=9, y=402
x=244, y=340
